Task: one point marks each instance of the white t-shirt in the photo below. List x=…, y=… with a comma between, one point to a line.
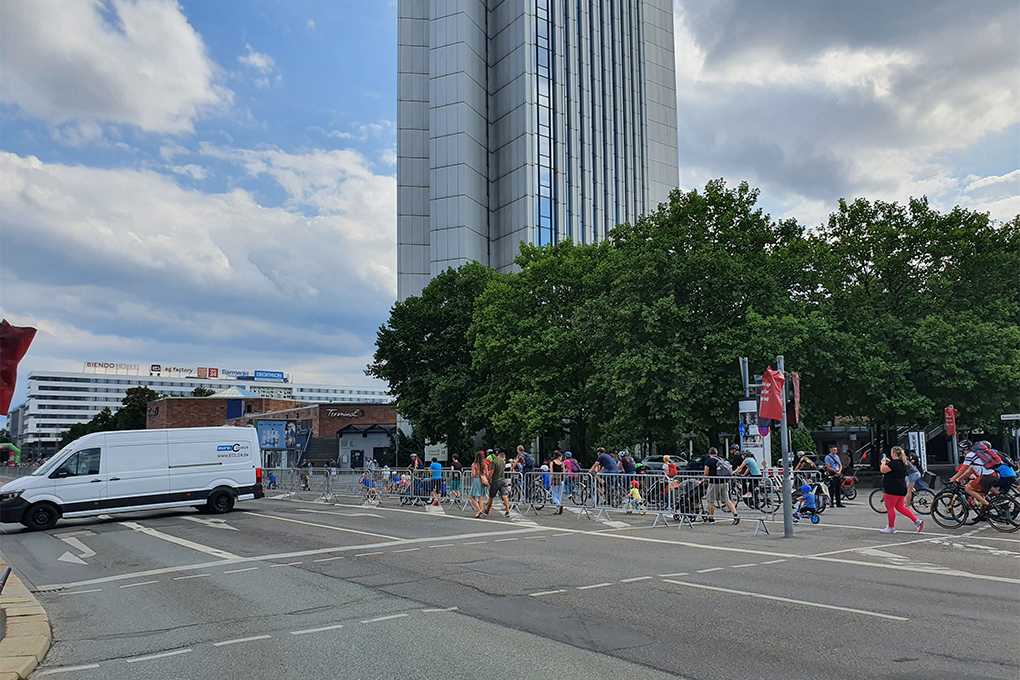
x=976, y=464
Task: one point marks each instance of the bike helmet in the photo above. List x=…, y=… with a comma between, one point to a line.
x=805, y=489
x=601, y=449
x=635, y=484
x=746, y=454
x=568, y=454
x=966, y=444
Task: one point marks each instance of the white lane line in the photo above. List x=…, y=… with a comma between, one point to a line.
x=786, y=599
x=288, y=564
x=143, y=583
x=636, y=578
x=240, y=640
x=368, y=554
x=546, y=592
x=884, y=544
x=431, y=611
x=329, y=559
x=531, y=538
x=773, y=562
x=65, y=669
x=442, y=545
x=500, y=540
x=406, y=550
x=679, y=573
x=569, y=533
x=158, y=656
x=597, y=585
x=316, y=630
x=238, y=571
x=385, y=618
x=705, y=571
x=475, y=542
x=741, y=566
x=183, y=542
x=82, y=592
x=183, y=578
x=324, y=526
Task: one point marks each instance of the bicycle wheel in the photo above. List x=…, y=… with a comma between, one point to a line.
x=538, y=495
x=949, y=510
x=877, y=501
x=850, y=492
x=821, y=502
x=1004, y=514
x=922, y=500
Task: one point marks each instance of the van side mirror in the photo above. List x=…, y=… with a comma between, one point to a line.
x=59, y=474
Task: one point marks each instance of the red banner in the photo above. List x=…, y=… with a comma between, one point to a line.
x=771, y=404
x=14, y=342
x=951, y=420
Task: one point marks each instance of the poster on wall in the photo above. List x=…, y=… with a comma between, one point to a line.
x=278, y=435
x=754, y=436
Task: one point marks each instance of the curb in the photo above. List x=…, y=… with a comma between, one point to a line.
x=27, y=636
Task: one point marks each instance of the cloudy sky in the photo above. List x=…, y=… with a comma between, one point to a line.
x=213, y=183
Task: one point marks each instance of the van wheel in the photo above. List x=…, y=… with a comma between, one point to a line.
x=41, y=516
x=221, y=502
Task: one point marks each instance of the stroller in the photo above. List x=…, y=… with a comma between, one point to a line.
x=687, y=495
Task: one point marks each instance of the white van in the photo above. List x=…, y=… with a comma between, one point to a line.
x=123, y=471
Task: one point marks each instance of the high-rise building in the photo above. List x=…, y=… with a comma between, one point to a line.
x=528, y=120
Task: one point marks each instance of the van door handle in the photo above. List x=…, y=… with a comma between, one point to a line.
x=96, y=480
x=114, y=479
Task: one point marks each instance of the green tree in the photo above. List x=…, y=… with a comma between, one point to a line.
x=104, y=421
x=132, y=415
x=423, y=353
x=202, y=392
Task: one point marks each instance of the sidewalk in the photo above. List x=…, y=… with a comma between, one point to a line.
x=25, y=633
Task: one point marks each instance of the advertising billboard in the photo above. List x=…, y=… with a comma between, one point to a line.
x=279, y=435
x=269, y=375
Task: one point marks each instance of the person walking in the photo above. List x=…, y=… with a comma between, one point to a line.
x=718, y=470
x=436, y=482
x=894, y=484
x=497, y=483
x=573, y=469
x=479, y=482
x=458, y=471
x=834, y=468
x=556, y=477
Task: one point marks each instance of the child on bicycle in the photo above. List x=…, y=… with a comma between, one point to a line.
x=634, y=500
x=807, y=506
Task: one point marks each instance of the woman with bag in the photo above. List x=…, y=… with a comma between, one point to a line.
x=894, y=484
x=556, y=467
x=479, y=482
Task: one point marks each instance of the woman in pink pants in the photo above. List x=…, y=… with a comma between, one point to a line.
x=894, y=483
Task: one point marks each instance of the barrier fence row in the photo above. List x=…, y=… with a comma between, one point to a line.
x=683, y=498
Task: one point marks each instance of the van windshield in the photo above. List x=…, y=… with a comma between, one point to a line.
x=49, y=466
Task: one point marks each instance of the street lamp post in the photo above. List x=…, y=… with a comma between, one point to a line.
x=691, y=436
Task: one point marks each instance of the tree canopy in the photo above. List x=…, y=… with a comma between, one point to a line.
x=131, y=416
x=889, y=312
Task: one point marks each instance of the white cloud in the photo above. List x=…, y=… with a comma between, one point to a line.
x=191, y=170
x=262, y=83
x=311, y=24
x=170, y=149
x=1011, y=178
x=66, y=62
x=259, y=61
x=384, y=129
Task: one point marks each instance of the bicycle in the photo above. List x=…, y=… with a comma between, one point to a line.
x=849, y=487
x=921, y=501
x=576, y=491
x=952, y=507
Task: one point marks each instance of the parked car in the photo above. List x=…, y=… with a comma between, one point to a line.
x=654, y=463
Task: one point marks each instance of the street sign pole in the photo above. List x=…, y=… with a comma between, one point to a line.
x=784, y=443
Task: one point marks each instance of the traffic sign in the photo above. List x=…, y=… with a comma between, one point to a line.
x=1010, y=416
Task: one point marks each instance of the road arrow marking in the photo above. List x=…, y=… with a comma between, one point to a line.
x=68, y=557
x=214, y=523
x=77, y=544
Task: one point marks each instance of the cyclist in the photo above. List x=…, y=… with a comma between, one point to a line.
x=979, y=467
x=748, y=467
x=604, y=464
x=1007, y=475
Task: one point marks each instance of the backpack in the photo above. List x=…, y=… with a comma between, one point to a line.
x=989, y=458
x=671, y=469
x=1006, y=460
x=723, y=468
x=527, y=460
x=573, y=465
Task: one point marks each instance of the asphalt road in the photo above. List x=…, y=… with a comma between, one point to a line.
x=288, y=589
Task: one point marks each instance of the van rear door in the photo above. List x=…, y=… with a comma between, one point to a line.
x=138, y=469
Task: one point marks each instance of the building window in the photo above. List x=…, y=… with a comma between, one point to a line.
x=545, y=222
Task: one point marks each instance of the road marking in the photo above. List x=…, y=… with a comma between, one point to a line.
x=546, y=592
x=66, y=669
x=182, y=578
x=442, y=545
x=158, y=656
x=367, y=554
x=681, y=573
x=324, y=526
x=215, y=552
x=238, y=571
x=500, y=540
x=774, y=561
x=597, y=585
x=76, y=543
x=431, y=611
x=329, y=559
x=406, y=550
x=705, y=571
x=210, y=522
x=82, y=592
x=72, y=559
x=636, y=578
x=531, y=538
x=884, y=544
x=741, y=566
x=385, y=618
x=568, y=533
x=316, y=630
x=239, y=640
x=143, y=583
x=288, y=564
x=476, y=542
x=786, y=599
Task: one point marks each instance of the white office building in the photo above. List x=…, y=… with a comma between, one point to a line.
x=528, y=120
x=57, y=400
